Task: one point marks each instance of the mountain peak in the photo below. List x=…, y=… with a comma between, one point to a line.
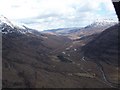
x=103, y=23
x=3, y=19
x=6, y=26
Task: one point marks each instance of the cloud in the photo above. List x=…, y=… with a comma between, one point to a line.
x=48, y=14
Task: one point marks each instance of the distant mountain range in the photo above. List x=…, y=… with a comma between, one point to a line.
x=62, y=31
x=95, y=25
x=78, y=32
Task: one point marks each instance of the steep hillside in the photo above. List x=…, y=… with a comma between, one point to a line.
x=105, y=46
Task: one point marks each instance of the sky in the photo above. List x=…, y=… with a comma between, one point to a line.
x=50, y=14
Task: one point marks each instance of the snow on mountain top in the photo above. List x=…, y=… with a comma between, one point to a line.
x=7, y=26
x=5, y=20
x=104, y=22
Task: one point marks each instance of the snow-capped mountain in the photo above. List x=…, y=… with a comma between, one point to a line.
x=102, y=23
x=7, y=26
x=94, y=28
x=4, y=20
